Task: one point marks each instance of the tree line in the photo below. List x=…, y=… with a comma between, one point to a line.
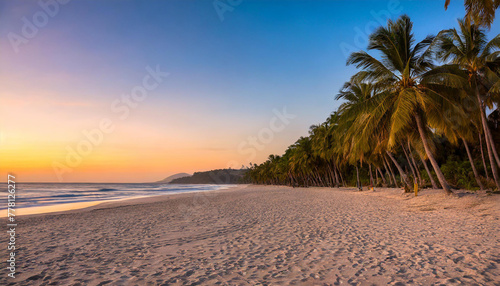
x=414, y=115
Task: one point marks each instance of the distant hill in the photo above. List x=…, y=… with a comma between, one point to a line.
x=221, y=176
x=173, y=177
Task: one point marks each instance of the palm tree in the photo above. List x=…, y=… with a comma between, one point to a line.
x=458, y=125
x=363, y=135
x=481, y=12
x=471, y=53
x=356, y=94
x=335, y=150
x=397, y=105
x=414, y=89
x=322, y=147
x=301, y=160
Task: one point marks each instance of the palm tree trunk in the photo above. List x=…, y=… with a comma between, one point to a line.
x=434, y=185
x=482, y=156
x=488, y=142
x=360, y=188
x=392, y=173
x=331, y=182
x=371, y=176
x=493, y=147
x=388, y=173
x=439, y=174
x=409, y=163
x=321, y=181
x=332, y=178
x=476, y=174
x=493, y=166
x=317, y=177
x=382, y=176
x=414, y=163
x=341, y=178
x=404, y=178
x=336, y=176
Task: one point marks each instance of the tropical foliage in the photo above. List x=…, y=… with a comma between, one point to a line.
x=482, y=12
x=415, y=114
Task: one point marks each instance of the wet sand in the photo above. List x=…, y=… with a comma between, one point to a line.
x=264, y=235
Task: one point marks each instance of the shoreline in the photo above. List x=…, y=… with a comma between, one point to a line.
x=82, y=206
x=438, y=197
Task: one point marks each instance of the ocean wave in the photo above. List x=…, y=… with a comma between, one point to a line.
x=46, y=194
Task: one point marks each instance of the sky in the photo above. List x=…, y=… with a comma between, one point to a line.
x=134, y=91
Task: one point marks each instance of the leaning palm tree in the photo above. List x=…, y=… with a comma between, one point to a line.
x=335, y=150
x=360, y=143
x=412, y=88
x=458, y=125
x=481, y=12
x=322, y=148
x=469, y=51
x=356, y=94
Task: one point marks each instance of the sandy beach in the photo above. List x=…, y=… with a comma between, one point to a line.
x=263, y=235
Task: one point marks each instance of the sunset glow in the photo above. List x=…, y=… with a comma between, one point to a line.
x=213, y=110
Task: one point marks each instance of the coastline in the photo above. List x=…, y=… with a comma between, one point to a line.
x=82, y=206
x=269, y=235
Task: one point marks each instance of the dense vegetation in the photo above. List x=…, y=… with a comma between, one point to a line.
x=415, y=114
x=221, y=176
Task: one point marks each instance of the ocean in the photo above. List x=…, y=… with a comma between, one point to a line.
x=49, y=194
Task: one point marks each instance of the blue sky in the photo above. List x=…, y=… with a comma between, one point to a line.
x=226, y=75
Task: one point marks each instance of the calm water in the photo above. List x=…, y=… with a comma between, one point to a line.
x=46, y=194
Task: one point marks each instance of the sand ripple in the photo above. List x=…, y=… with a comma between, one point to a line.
x=265, y=236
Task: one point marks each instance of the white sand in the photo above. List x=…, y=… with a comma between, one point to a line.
x=267, y=236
